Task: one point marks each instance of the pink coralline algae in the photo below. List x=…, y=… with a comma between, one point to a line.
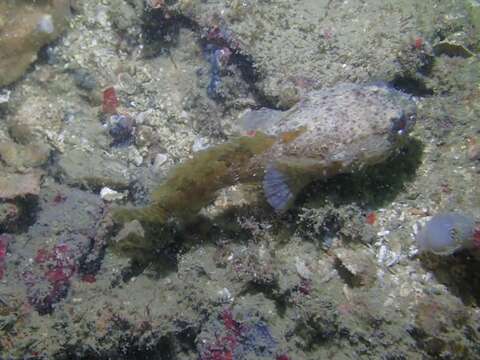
x=229, y=339
x=57, y=266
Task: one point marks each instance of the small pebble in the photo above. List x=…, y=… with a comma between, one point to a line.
x=109, y=195
x=4, y=96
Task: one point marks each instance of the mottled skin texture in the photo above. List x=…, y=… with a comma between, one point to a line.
x=343, y=128
x=331, y=131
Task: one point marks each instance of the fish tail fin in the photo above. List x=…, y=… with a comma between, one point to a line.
x=276, y=189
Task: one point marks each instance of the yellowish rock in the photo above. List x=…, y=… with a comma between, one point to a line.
x=22, y=157
x=26, y=26
x=19, y=185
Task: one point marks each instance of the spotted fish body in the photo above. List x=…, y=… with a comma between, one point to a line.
x=338, y=130
x=331, y=131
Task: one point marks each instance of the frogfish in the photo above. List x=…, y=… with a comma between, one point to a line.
x=330, y=131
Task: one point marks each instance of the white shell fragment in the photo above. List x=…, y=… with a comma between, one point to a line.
x=109, y=195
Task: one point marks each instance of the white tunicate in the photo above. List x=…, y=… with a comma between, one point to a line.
x=45, y=24
x=446, y=233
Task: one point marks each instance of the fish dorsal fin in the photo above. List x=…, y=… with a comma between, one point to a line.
x=276, y=189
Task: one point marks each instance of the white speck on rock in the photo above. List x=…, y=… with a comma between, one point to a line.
x=4, y=96
x=225, y=296
x=302, y=268
x=199, y=144
x=160, y=160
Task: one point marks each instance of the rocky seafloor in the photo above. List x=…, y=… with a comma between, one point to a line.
x=129, y=88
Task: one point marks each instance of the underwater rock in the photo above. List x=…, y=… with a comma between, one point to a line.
x=237, y=334
x=25, y=27
x=49, y=282
x=437, y=319
x=19, y=185
x=20, y=157
x=446, y=233
x=355, y=266
x=63, y=245
x=319, y=42
x=93, y=170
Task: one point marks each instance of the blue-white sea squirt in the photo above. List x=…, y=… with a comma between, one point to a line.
x=449, y=232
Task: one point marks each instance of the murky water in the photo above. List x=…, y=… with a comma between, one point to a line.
x=226, y=180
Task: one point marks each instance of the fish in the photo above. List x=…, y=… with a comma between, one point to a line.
x=331, y=131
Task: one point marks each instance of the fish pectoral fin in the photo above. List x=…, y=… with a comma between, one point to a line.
x=276, y=189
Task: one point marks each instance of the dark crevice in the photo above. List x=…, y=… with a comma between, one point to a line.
x=373, y=186
x=411, y=85
x=160, y=33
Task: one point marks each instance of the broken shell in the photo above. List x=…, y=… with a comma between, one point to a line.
x=108, y=194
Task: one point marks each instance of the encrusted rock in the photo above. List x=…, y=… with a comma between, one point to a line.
x=94, y=170
x=25, y=27
x=23, y=156
x=19, y=185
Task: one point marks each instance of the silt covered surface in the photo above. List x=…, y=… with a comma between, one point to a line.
x=336, y=276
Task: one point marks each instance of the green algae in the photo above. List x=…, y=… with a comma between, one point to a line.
x=193, y=184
